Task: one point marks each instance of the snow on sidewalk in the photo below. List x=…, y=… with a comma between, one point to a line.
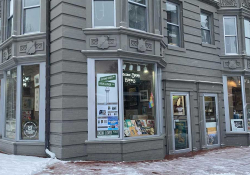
x=23, y=165
x=231, y=161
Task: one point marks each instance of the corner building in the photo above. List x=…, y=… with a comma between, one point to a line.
x=127, y=80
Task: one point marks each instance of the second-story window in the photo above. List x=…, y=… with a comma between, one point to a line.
x=230, y=34
x=205, y=28
x=173, y=24
x=247, y=36
x=103, y=13
x=10, y=18
x=138, y=14
x=31, y=16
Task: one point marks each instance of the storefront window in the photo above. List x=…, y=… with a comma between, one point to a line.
x=30, y=102
x=139, y=99
x=10, y=111
x=235, y=103
x=247, y=91
x=107, y=110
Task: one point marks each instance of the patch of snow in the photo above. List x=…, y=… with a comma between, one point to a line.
x=23, y=165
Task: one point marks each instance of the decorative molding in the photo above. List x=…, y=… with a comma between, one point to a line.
x=248, y=64
x=232, y=64
x=102, y=42
x=7, y=53
x=228, y=3
x=141, y=45
x=246, y=4
x=31, y=47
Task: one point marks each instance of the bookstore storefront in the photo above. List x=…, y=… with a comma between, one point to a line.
x=237, y=103
x=23, y=103
x=126, y=99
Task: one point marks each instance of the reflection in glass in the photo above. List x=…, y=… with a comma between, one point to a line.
x=247, y=91
x=180, y=122
x=139, y=1
x=205, y=35
x=107, y=109
x=137, y=17
x=28, y=3
x=172, y=13
x=231, y=45
x=30, y=102
x=235, y=103
x=247, y=36
x=205, y=21
x=139, y=99
x=32, y=20
x=173, y=35
x=211, y=120
x=104, y=13
x=10, y=109
x=230, y=27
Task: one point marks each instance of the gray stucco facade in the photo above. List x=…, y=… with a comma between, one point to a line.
x=193, y=71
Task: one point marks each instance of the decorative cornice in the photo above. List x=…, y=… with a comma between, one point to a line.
x=211, y=2
x=246, y=4
x=228, y=3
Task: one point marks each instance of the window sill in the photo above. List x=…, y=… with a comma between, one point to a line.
x=124, y=141
x=237, y=133
x=176, y=48
x=208, y=45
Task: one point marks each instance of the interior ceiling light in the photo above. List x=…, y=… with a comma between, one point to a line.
x=131, y=67
x=145, y=69
x=124, y=66
x=138, y=68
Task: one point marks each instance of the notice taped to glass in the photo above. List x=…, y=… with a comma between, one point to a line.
x=107, y=106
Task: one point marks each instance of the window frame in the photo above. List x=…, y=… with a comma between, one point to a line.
x=92, y=101
x=23, y=16
x=226, y=103
x=245, y=37
x=236, y=34
x=179, y=22
x=210, y=17
x=93, y=18
x=9, y=17
x=146, y=9
x=42, y=70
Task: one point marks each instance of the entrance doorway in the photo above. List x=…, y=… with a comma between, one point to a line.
x=180, y=112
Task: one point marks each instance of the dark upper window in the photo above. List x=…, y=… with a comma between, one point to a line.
x=206, y=28
x=173, y=23
x=10, y=18
x=138, y=14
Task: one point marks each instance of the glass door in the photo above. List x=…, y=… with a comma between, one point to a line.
x=181, y=122
x=211, y=120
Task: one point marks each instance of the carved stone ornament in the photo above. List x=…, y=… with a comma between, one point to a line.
x=103, y=42
x=31, y=47
x=141, y=45
x=246, y=4
x=5, y=54
x=228, y=3
x=232, y=64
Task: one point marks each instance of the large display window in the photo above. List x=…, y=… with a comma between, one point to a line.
x=236, y=95
x=126, y=99
x=25, y=103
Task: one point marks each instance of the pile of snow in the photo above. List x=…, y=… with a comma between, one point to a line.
x=23, y=165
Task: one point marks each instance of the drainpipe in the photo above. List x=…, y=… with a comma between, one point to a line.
x=166, y=118
x=47, y=120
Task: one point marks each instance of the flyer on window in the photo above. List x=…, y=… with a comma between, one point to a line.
x=107, y=105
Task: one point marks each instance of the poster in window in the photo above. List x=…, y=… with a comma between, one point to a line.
x=27, y=104
x=181, y=135
x=36, y=80
x=144, y=95
x=36, y=99
x=107, y=105
x=237, y=124
x=179, y=105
